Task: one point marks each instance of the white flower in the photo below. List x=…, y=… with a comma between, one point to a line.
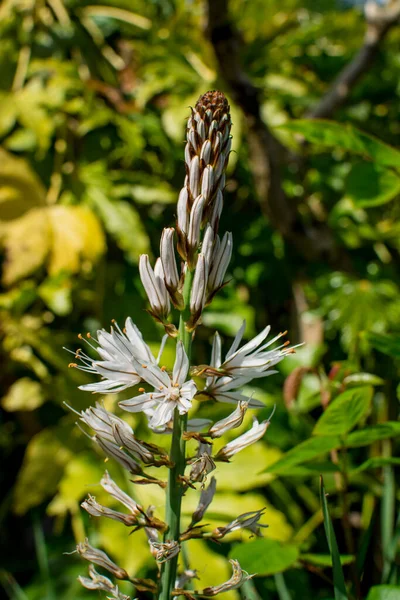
x=253, y=359
x=225, y=389
x=117, y=350
x=169, y=392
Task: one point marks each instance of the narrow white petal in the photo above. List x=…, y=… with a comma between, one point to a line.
x=236, y=341
x=181, y=366
x=138, y=403
x=142, y=351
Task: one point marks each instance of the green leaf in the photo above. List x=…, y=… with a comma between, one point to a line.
x=338, y=577
x=344, y=412
x=384, y=592
x=42, y=469
x=307, y=450
x=370, y=185
x=385, y=343
x=265, y=556
x=24, y=394
x=346, y=137
x=367, y=436
x=363, y=379
x=325, y=560
x=376, y=462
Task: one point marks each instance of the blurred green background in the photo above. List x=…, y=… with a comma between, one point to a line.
x=93, y=102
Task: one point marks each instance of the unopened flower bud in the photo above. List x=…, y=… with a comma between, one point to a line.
x=153, y=283
x=98, y=557
x=183, y=211
x=216, y=210
x=199, y=289
x=205, y=154
x=235, y=419
x=193, y=238
x=207, y=183
x=194, y=178
x=220, y=262
x=207, y=246
x=171, y=277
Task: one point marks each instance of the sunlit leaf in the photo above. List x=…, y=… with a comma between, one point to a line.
x=368, y=435
x=344, y=412
x=376, y=462
x=20, y=187
x=346, y=137
x=306, y=451
x=24, y=394
x=26, y=245
x=369, y=185
x=41, y=470
x=384, y=592
x=76, y=236
x=265, y=556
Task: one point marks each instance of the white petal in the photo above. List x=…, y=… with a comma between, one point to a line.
x=152, y=374
x=142, y=351
x=237, y=340
x=216, y=351
x=163, y=414
x=255, y=342
x=181, y=366
x=106, y=387
x=138, y=403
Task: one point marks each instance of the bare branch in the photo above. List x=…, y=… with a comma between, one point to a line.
x=379, y=19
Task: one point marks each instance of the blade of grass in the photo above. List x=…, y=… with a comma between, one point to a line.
x=387, y=519
x=362, y=551
x=392, y=577
x=281, y=588
x=42, y=556
x=338, y=577
x=11, y=587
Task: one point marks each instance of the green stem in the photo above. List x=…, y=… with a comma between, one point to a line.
x=178, y=457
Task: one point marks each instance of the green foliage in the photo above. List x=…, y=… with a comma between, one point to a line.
x=93, y=100
x=265, y=556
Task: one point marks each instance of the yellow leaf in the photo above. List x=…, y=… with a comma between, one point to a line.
x=76, y=235
x=24, y=394
x=20, y=188
x=26, y=242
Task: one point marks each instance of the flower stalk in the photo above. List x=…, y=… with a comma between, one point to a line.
x=125, y=361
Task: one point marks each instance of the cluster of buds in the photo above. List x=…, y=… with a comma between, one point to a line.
x=191, y=269
x=199, y=208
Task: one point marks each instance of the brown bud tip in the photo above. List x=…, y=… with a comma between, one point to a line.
x=213, y=100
